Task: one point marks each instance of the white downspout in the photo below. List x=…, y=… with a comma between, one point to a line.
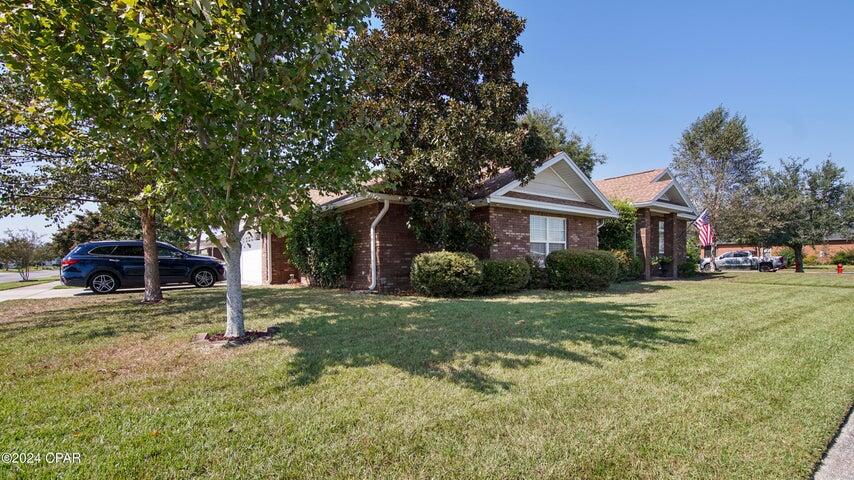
x=374, y=245
x=599, y=224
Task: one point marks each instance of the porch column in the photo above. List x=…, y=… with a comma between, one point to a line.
x=645, y=241
x=671, y=238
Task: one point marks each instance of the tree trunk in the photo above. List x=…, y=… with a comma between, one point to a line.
x=199, y=243
x=153, y=294
x=799, y=258
x=234, y=293
x=714, y=251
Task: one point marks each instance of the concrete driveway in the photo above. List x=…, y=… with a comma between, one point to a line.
x=42, y=290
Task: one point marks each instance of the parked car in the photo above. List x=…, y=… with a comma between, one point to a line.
x=743, y=259
x=106, y=266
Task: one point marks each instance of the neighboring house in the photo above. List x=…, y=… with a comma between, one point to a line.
x=823, y=252
x=664, y=211
x=559, y=208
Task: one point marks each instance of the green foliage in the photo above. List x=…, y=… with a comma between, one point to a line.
x=581, y=269
x=501, y=276
x=845, y=257
x=539, y=276
x=113, y=222
x=22, y=249
x=810, y=260
x=448, y=226
x=688, y=268
x=446, y=274
x=629, y=267
x=319, y=245
x=442, y=75
x=797, y=206
x=789, y=254
x=660, y=260
x=619, y=233
x=551, y=128
x=716, y=157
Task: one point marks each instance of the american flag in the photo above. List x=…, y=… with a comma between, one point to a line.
x=704, y=227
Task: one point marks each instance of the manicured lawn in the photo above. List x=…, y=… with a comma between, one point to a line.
x=19, y=284
x=745, y=375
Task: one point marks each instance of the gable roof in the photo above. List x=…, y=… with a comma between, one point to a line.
x=584, y=197
x=637, y=187
x=650, y=188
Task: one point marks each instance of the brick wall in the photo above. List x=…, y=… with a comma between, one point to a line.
x=512, y=230
x=358, y=222
x=280, y=268
x=397, y=246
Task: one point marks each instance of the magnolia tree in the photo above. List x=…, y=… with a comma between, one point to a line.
x=261, y=90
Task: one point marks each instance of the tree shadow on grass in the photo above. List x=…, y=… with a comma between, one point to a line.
x=459, y=340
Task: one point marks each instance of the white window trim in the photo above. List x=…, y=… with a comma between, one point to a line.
x=548, y=220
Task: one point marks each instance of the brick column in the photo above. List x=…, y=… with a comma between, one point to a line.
x=645, y=241
x=670, y=244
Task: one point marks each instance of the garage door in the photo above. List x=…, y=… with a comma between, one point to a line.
x=250, y=263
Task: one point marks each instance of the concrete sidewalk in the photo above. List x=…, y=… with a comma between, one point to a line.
x=839, y=462
x=43, y=290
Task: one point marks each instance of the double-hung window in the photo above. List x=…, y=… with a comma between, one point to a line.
x=547, y=235
x=661, y=238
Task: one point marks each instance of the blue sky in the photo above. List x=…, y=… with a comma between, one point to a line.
x=631, y=76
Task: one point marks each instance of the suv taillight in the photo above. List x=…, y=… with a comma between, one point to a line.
x=69, y=261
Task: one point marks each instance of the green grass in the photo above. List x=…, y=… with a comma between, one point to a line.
x=19, y=284
x=745, y=375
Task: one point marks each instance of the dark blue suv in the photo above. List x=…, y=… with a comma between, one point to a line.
x=107, y=266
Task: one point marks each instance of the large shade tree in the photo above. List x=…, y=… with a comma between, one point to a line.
x=79, y=124
x=715, y=158
x=796, y=205
x=262, y=90
x=558, y=138
x=443, y=76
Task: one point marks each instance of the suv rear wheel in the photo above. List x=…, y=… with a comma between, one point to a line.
x=104, y=282
x=204, y=278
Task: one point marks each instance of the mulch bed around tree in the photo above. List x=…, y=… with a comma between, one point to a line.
x=248, y=337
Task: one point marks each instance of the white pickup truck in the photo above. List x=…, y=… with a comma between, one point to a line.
x=743, y=260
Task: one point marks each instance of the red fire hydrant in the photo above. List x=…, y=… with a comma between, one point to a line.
x=839, y=269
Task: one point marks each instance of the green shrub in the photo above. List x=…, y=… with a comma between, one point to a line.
x=619, y=233
x=688, y=268
x=446, y=274
x=581, y=269
x=789, y=254
x=810, y=260
x=845, y=257
x=501, y=276
x=539, y=277
x=319, y=245
x=629, y=267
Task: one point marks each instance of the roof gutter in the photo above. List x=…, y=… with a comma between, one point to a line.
x=374, y=224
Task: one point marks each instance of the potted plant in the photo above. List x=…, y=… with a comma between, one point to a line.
x=663, y=262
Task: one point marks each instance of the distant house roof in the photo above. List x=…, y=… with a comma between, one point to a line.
x=637, y=187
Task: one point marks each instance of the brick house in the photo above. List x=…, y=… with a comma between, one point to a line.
x=663, y=214
x=559, y=208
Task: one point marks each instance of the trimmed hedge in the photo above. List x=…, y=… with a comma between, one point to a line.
x=581, y=269
x=502, y=276
x=629, y=267
x=687, y=269
x=845, y=257
x=446, y=274
x=539, y=277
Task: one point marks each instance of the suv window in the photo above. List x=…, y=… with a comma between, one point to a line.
x=101, y=250
x=726, y=255
x=169, y=253
x=741, y=254
x=128, y=251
